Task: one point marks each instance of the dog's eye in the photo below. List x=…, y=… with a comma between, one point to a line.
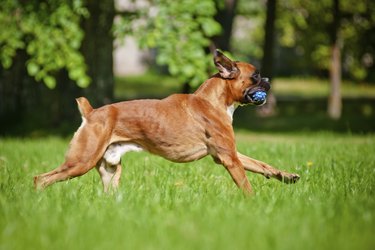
x=255, y=77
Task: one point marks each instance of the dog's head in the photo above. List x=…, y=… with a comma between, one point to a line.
x=246, y=84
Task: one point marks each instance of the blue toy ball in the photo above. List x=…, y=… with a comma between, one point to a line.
x=259, y=96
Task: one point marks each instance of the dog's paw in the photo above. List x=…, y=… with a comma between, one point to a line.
x=38, y=185
x=288, y=178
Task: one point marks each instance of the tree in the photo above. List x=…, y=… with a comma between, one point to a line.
x=334, y=101
x=268, y=56
x=97, y=49
x=69, y=43
x=226, y=12
x=49, y=32
x=179, y=31
x=269, y=38
x=37, y=40
x=54, y=42
x=326, y=35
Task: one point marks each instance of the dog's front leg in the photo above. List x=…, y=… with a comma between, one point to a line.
x=234, y=167
x=259, y=167
x=238, y=175
x=109, y=174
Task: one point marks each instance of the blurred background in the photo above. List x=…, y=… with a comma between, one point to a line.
x=318, y=54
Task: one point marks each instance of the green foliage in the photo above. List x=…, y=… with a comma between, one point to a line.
x=307, y=26
x=250, y=20
x=303, y=35
x=50, y=33
x=163, y=205
x=180, y=31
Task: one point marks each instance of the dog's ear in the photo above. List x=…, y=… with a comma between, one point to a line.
x=226, y=67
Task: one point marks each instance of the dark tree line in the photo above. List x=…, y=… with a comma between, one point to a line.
x=53, y=51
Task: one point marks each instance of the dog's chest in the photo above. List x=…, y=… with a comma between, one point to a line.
x=231, y=109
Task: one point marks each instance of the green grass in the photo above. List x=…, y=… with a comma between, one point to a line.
x=162, y=205
x=149, y=85
x=156, y=85
x=315, y=87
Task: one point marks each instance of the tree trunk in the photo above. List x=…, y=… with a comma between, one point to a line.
x=62, y=103
x=97, y=48
x=268, y=45
x=186, y=88
x=334, y=101
x=225, y=16
x=12, y=81
x=27, y=106
x=22, y=98
x=268, y=57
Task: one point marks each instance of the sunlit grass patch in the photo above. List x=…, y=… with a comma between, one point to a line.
x=317, y=87
x=163, y=205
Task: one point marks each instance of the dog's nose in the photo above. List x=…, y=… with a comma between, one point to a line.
x=265, y=84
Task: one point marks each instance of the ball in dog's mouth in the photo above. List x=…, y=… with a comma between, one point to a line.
x=258, y=97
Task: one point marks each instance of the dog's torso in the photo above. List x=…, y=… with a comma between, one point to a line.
x=178, y=128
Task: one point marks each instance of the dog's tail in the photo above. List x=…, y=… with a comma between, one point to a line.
x=84, y=106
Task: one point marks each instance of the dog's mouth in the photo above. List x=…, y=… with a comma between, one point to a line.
x=257, y=95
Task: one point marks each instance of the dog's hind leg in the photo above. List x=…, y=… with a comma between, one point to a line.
x=262, y=168
x=110, y=175
x=64, y=172
x=86, y=149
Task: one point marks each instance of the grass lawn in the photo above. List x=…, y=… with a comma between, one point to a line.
x=162, y=205
x=155, y=85
x=315, y=87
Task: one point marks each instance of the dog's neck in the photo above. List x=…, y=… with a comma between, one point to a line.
x=218, y=92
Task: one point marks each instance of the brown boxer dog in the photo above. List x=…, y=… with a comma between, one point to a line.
x=180, y=128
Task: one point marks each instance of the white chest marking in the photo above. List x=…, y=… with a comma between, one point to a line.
x=231, y=109
x=114, y=151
